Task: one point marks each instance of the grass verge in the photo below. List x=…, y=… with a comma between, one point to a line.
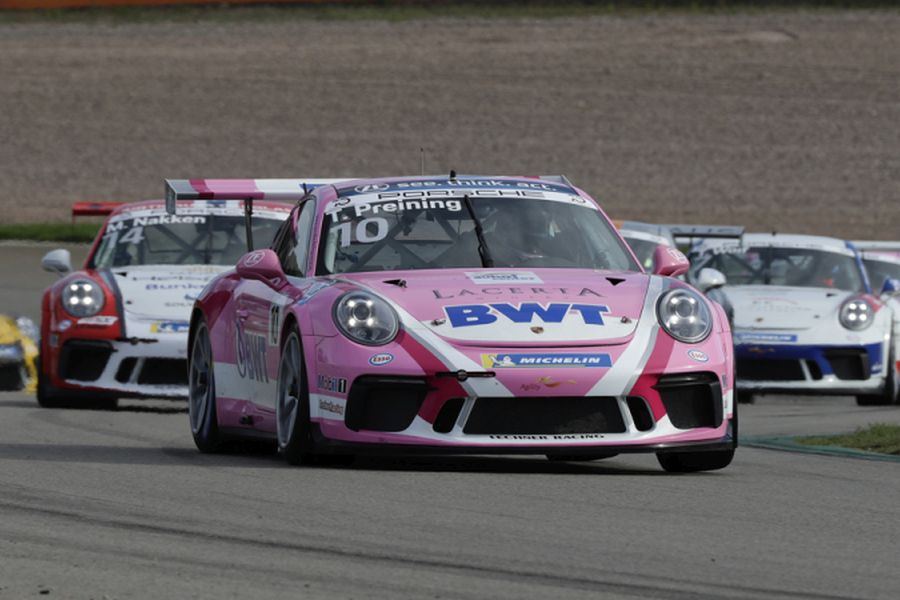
x=386, y=10
x=879, y=437
x=50, y=232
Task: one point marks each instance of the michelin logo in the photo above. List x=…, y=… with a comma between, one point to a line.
x=547, y=361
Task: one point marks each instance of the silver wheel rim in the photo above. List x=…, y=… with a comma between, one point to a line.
x=288, y=391
x=199, y=380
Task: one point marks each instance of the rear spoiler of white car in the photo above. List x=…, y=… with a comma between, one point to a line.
x=873, y=246
x=247, y=190
x=706, y=231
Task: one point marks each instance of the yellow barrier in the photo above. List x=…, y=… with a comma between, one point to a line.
x=40, y=4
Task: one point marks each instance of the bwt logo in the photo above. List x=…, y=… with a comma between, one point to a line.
x=251, y=354
x=484, y=314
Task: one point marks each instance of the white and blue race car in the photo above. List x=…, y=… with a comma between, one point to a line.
x=805, y=318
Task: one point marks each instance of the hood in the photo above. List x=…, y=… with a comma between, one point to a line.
x=772, y=307
x=517, y=307
x=162, y=291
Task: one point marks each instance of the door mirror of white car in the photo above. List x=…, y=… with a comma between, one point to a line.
x=57, y=261
x=709, y=279
x=890, y=286
x=669, y=261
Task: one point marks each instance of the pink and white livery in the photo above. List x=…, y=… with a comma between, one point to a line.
x=454, y=314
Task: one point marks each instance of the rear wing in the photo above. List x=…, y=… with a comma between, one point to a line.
x=247, y=190
x=94, y=209
x=706, y=231
x=874, y=246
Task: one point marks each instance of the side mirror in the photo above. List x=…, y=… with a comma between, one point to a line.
x=709, y=279
x=57, y=261
x=891, y=286
x=263, y=265
x=669, y=261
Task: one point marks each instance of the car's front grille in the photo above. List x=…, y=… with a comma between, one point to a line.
x=152, y=371
x=776, y=369
x=83, y=360
x=691, y=399
x=544, y=416
x=849, y=363
x=384, y=403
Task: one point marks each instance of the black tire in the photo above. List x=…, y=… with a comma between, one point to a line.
x=887, y=395
x=691, y=462
x=202, y=415
x=744, y=397
x=292, y=403
x=579, y=457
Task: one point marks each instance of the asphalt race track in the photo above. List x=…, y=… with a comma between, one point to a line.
x=120, y=504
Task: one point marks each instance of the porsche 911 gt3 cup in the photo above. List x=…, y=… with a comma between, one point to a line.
x=118, y=326
x=456, y=314
x=805, y=318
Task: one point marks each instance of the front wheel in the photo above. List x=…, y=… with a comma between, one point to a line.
x=691, y=462
x=292, y=405
x=202, y=393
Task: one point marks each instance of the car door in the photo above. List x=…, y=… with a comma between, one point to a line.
x=261, y=308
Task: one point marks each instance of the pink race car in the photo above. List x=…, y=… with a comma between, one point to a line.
x=455, y=315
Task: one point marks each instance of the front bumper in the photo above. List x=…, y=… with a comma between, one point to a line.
x=817, y=369
x=148, y=368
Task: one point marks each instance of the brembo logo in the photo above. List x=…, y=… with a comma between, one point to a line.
x=484, y=314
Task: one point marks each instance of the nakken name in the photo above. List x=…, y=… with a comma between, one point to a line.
x=484, y=314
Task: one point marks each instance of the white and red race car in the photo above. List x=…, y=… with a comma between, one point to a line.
x=456, y=315
x=118, y=326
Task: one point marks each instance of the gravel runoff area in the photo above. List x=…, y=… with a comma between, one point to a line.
x=778, y=121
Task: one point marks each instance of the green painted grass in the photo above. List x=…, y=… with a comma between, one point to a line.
x=50, y=232
x=879, y=437
x=386, y=10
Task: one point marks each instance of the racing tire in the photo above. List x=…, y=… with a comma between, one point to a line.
x=292, y=404
x=579, y=457
x=202, y=413
x=744, y=397
x=888, y=395
x=50, y=397
x=692, y=462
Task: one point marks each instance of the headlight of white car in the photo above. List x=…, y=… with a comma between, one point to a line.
x=366, y=318
x=82, y=298
x=856, y=314
x=684, y=315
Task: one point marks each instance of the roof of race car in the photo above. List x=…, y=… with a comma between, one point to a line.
x=157, y=208
x=879, y=256
x=779, y=240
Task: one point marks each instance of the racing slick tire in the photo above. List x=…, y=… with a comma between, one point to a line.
x=691, y=462
x=888, y=395
x=50, y=397
x=202, y=393
x=292, y=404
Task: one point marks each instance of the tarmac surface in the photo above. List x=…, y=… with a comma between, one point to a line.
x=119, y=504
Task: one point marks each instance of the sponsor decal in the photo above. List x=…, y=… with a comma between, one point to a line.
x=371, y=187
x=140, y=222
x=170, y=327
x=64, y=325
x=383, y=358
x=765, y=337
x=153, y=287
x=97, y=321
x=332, y=407
x=514, y=291
x=543, y=382
x=310, y=292
x=503, y=361
x=468, y=315
x=332, y=384
x=10, y=352
x=254, y=258
x=495, y=277
x=250, y=350
x=698, y=355
x=458, y=183
x=557, y=436
x=677, y=255
x=274, y=324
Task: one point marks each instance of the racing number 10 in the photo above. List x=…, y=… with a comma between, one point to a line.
x=363, y=234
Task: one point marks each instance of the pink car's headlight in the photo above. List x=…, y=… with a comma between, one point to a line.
x=366, y=318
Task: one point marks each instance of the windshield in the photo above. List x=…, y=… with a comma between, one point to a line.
x=438, y=234
x=796, y=267
x=879, y=271
x=181, y=240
